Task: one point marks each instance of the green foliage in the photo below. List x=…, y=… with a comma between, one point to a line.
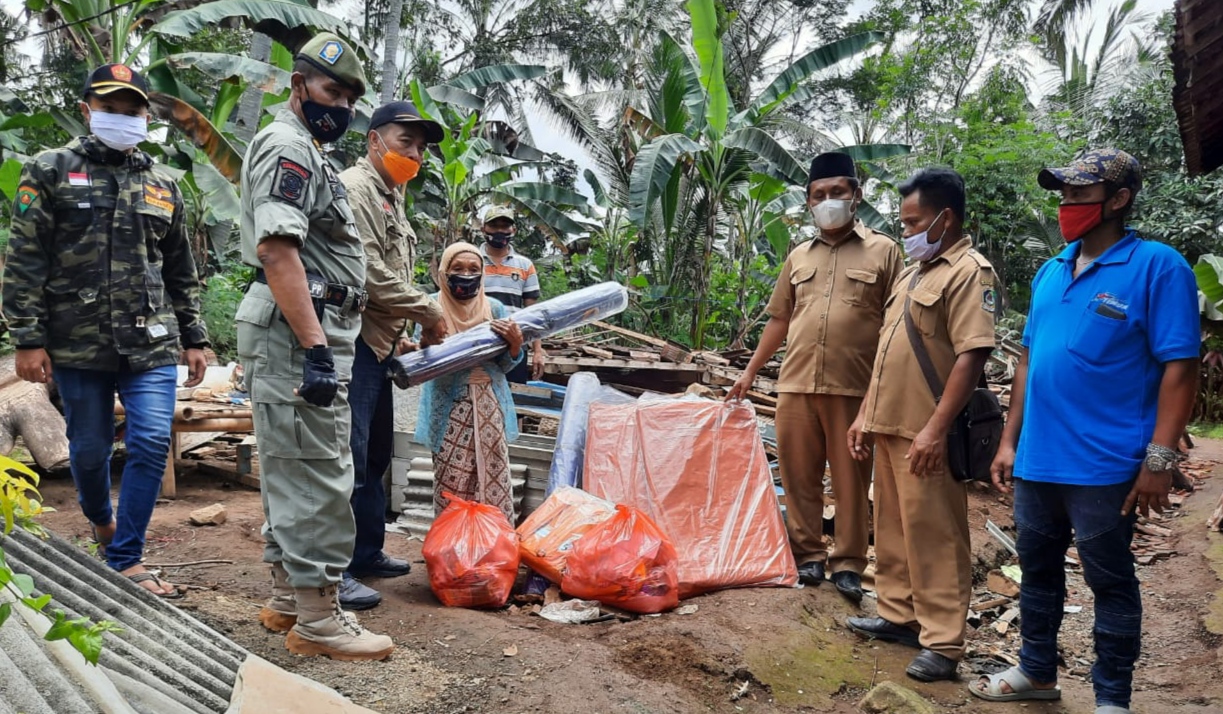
x=218, y=305
x=20, y=504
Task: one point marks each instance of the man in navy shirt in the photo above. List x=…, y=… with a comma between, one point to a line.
x=1101, y=397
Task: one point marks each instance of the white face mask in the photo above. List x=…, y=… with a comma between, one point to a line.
x=833, y=213
x=918, y=246
x=118, y=131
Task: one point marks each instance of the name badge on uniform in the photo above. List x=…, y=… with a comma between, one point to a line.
x=157, y=331
x=78, y=178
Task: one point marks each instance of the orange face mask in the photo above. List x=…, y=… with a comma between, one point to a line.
x=400, y=168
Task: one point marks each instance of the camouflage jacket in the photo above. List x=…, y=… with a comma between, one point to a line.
x=98, y=269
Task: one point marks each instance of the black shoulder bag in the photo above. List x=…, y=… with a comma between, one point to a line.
x=977, y=430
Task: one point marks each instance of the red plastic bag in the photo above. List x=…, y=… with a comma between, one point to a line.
x=471, y=554
x=626, y=562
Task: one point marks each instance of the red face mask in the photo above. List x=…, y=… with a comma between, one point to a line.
x=1076, y=219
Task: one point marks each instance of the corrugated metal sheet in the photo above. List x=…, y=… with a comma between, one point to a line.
x=163, y=661
x=1197, y=59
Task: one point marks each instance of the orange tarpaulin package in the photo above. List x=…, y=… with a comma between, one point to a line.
x=471, y=553
x=625, y=562
x=547, y=536
x=698, y=468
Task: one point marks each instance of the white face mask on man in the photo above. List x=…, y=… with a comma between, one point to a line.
x=833, y=213
x=118, y=131
x=918, y=246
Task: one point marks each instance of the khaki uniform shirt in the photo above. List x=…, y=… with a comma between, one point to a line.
x=388, y=239
x=953, y=306
x=833, y=296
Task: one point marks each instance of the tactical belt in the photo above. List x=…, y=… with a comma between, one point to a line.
x=347, y=298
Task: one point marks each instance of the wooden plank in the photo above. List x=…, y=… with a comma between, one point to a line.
x=528, y=391
x=624, y=364
x=598, y=352
x=629, y=333
x=757, y=396
x=223, y=469
x=642, y=356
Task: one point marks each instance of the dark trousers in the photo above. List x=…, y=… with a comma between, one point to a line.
x=373, y=425
x=1048, y=516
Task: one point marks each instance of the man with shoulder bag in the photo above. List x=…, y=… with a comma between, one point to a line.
x=946, y=300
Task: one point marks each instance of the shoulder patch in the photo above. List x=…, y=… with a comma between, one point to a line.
x=289, y=183
x=26, y=196
x=989, y=300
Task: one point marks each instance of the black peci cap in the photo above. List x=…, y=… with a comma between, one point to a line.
x=831, y=164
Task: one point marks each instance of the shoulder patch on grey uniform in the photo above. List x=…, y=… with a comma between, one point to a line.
x=289, y=184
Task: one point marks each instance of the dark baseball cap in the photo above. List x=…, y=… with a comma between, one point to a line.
x=1093, y=167
x=110, y=78
x=403, y=112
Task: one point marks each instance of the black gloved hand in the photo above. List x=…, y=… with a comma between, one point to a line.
x=319, y=383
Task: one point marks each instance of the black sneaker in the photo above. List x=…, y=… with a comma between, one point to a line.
x=357, y=596
x=811, y=574
x=849, y=584
x=382, y=566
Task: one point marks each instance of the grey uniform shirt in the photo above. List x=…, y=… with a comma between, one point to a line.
x=289, y=189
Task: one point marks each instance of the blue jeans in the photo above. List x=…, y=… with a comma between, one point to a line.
x=89, y=408
x=373, y=430
x=1046, y=514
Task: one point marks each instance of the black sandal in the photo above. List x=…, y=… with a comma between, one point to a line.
x=93, y=529
x=930, y=666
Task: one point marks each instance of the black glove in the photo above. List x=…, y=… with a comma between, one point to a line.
x=319, y=384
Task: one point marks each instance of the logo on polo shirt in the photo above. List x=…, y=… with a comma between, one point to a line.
x=1110, y=306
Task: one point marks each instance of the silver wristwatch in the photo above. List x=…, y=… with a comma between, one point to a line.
x=1161, y=459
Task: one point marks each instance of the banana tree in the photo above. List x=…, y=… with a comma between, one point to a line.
x=471, y=168
x=699, y=143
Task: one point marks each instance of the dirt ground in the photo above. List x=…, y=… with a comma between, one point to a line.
x=761, y=650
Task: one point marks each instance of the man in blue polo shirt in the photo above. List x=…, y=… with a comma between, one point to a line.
x=1101, y=397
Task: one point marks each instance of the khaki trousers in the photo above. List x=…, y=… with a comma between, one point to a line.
x=811, y=431
x=923, y=569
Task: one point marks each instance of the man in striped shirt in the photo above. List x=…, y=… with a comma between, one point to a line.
x=511, y=278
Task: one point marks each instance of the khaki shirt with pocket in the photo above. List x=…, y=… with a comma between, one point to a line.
x=833, y=298
x=953, y=304
x=388, y=239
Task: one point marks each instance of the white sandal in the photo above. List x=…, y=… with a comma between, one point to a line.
x=1022, y=689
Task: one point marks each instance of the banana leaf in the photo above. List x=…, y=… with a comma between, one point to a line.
x=200, y=131
x=220, y=66
x=287, y=22
x=497, y=74
x=653, y=171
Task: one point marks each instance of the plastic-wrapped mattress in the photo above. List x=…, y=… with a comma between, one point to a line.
x=697, y=467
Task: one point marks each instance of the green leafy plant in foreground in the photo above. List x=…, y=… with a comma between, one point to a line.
x=20, y=504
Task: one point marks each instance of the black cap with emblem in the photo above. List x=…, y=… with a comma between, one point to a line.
x=403, y=112
x=111, y=78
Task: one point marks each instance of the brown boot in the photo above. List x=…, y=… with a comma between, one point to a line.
x=324, y=629
x=280, y=613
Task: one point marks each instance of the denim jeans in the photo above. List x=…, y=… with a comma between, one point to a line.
x=373, y=429
x=1046, y=514
x=89, y=408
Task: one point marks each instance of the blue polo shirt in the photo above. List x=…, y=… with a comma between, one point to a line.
x=1096, y=348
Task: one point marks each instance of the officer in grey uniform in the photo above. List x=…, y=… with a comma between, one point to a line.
x=296, y=331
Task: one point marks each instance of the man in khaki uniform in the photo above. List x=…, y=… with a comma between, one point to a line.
x=827, y=307
x=397, y=139
x=923, y=563
x=296, y=329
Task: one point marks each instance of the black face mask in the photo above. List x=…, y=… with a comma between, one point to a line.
x=327, y=124
x=464, y=287
x=500, y=239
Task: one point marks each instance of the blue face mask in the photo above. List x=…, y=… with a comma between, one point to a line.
x=326, y=123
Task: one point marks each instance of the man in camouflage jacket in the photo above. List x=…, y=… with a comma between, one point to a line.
x=100, y=294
